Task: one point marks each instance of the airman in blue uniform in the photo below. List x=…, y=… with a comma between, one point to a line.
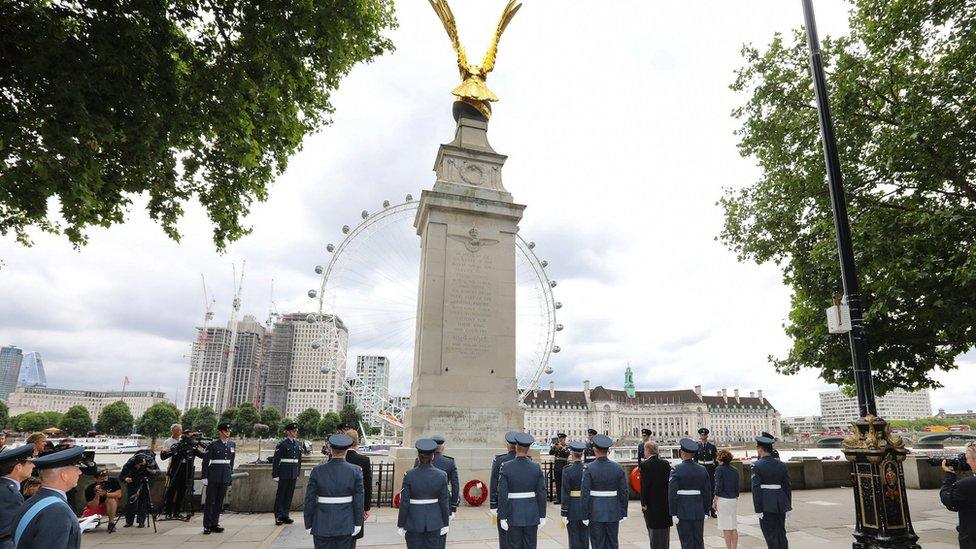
x=771, y=494
x=496, y=465
x=16, y=467
x=572, y=506
x=707, y=455
x=446, y=463
x=689, y=497
x=604, y=495
x=216, y=471
x=46, y=520
x=334, y=499
x=286, y=466
x=588, y=455
x=521, y=496
x=425, y=508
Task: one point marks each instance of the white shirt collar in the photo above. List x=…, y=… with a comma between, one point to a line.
x=13, y=481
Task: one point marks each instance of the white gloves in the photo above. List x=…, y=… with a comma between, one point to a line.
x=586, y=523
x=308, y=530
x=565, y=521
x=788, y=513
x=444, y=531
x=204, y=482
x=450, y=518
x=760, y=515
x=623, y=519
x=274, y=479
x=356, y=530
x=542, y=522
x=675, y=519
x=402, y=532
x=494, y=512
x=504, y=523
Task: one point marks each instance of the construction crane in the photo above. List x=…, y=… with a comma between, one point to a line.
x=193, y=389
x=235, y=308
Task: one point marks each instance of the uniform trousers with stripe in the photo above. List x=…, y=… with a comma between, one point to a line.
x=332, y=542
x=282, y=504
x=773, y=527
x=522, y=537
x=579, y=536
x=603, y=535
x=214, y=504
x=423, y=540
x=691, y=533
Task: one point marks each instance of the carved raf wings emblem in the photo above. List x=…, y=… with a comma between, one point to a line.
x=472, y=241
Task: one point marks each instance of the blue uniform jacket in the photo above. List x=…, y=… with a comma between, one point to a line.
x=446, y=464
x=10, y=502
x=56, y=526
x=572, y=505
x=218, y=462
x=689, y=476
x=287, y=461
x=776, y=497
x=493, y=483
x=520, y=476
x=603, y=475
x=336, y=478
x=424, y=482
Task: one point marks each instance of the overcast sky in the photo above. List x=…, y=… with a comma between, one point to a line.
x=616, y=119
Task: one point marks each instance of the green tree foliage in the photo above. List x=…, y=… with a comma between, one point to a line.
x=228, y=416
x=188, y=417
x=921, y=423
x=247, y=416
x=4, y=415
x=328, y=424
x=271, y=417
x=157, y=420
x=115, y=419
x=30, y=422
x=308, y=421
x=351, y=415
x=174, y=99
x=205, y=421
x=76, y=421
x=904, y=104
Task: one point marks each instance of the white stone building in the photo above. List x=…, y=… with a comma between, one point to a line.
x=46, y=399
x=373, y=372
x=670, y=415
x=839, y=410
x=804, y=424
x=207, y=380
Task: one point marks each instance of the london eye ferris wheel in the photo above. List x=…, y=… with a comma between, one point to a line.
x=368, y=290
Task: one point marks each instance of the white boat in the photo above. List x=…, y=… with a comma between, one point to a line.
x=106, y=445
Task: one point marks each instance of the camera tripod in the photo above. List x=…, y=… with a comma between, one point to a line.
x=182, y=476
x=134, y=499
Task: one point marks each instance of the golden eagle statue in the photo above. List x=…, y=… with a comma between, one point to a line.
x=473, y=90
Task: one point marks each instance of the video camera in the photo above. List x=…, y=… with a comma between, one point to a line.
x=87, y=463
x=957, y=462
x=189, y=443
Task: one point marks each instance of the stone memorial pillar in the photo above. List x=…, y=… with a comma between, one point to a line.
x=464, y=384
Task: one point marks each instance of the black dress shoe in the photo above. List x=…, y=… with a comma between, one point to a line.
x=218, y=529
x=206, y=532
x=279, y=522
x=287, y=520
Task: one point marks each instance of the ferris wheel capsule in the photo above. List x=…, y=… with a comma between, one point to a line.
x=409, y=198
x=552, y=283
x=330, y=248
x=556, y=348
x=341, y=392
x=311, y=318
x=559, y=304
x=544, y=263
x=559, y=327
x=312, y=293
x=318, y=268
x=549, y=370
x=531, y=245
x=386, y=203
x=364, y=214
x=345, y=229
x=316, y=344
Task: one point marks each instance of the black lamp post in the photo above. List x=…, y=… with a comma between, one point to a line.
x=876, y=456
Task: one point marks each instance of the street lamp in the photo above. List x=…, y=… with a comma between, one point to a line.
x=875, y=454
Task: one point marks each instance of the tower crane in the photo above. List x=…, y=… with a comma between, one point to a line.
x=227, y=400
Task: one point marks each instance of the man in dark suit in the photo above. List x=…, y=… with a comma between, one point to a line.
x=689, y=497
x=654, y=475
x=334, y=499
x=15, y=468
x=572, y=507
x=46, y=520
x=522, y=496
x=771, y=494
x=286, y=466
x=354, y=457
x=218, y=465
x=496, y=465
x=424, y=501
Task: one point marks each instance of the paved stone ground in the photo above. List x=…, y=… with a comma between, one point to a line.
x=822, y=519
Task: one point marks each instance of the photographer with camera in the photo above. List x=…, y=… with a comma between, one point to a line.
x=137, y=474
x=181, y=449
x=102, y=498
x=960, y=495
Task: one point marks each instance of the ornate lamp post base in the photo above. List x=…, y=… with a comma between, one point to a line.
x=880, y=501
